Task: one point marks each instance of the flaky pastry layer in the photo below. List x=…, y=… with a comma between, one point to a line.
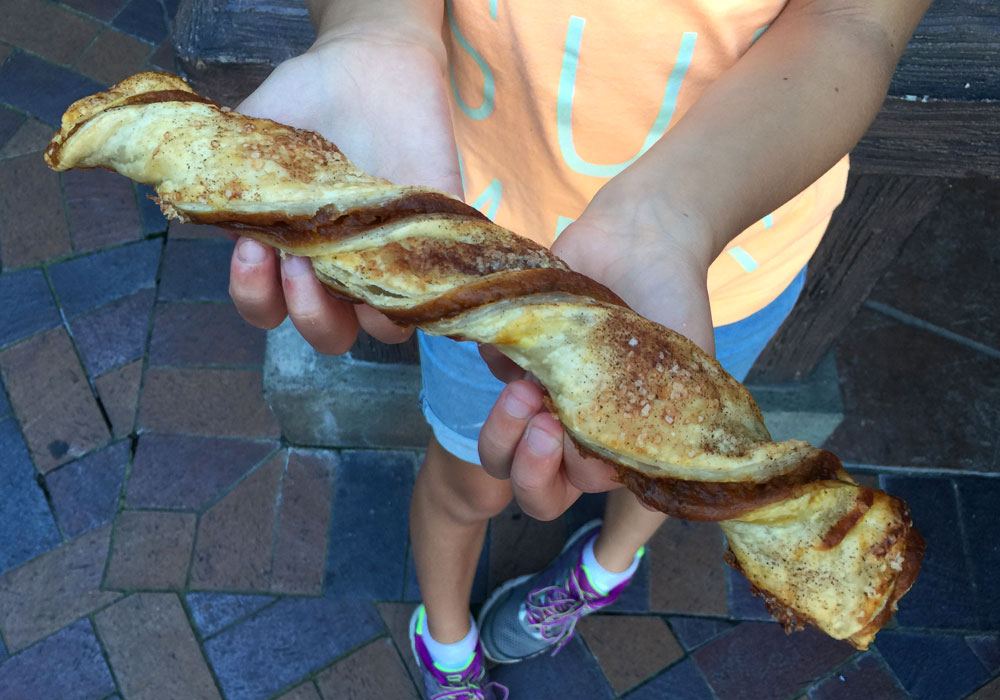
x=684, y=435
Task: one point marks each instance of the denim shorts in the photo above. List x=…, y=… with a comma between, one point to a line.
x=459, y=390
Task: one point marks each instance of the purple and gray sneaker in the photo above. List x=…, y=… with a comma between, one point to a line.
x=531, y=614
x=467, y=683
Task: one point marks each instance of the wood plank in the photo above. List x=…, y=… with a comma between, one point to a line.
x=878, y=215
x=952, y=54
x=934, y=138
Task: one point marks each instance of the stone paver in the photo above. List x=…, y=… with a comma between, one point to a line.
x=23, y=503
x=225, y=402
x=372, y=673
x=47, y=30
x=732, y=662
x=681, y=682
x=306, y=691
x=629, y=649
x=369, y=523
x=115, y=334
x=68, y=665
x=84, y=493
x=41, y=88
x=214, y=611
x=930, y=666
x=113, y=56
x=234, y=545
x=151, y=550
x=152, y=649
x=303, y=524
x=91, y=281
x=101, y=207
x=52, y=399
x=34, y=224
x=54, y=590
x=188, y=472
x=119, y=394
x=687, y=572
x=279, y=645
x=863, y=677
x=28, y=306
x=179, y=337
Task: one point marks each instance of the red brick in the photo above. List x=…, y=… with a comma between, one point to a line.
x=151, y=550
x=113, y=57
x=306, y=691
x=180, y=337
x=119, y=393
x=758, y=660
x=629, y=648
x=371, y=673
x=34, y=225
x=49, y=592
x=101, y=9
x=31, y=137
x=206, y=402
x=5, y=50
x=163, y=59
x=300, y=552
x=521, y=545
x=52, y=399
x=686, y=570
x=233, y=550
x=152, y=649
x=396, y=617
x=45, y=29
x=990, y=691
x=102, y=209
x=188, y=472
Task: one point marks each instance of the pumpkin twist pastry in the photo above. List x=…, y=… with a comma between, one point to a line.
x=684, y=436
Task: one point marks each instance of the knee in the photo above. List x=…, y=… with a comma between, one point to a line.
x=463, y=490
x=485, y=499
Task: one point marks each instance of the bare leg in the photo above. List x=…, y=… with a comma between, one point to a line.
x=451, y=505
x=627, y=526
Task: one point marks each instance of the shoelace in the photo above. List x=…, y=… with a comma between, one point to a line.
x=553, y=611
x=472, y=692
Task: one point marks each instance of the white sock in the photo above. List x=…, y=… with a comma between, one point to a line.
x=600, y=578
x=452, y=657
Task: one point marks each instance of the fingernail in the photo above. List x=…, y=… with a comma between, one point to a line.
x=251, y=252
x=515, y=407
x=541, y=442
x=293, y=266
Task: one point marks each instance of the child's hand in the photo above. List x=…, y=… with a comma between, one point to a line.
x=382, y=100
x=653, y=260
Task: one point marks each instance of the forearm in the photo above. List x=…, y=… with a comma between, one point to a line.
x=781, y=117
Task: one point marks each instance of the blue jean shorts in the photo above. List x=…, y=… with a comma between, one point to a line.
x=459, y=390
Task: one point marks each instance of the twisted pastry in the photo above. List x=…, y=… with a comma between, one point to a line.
x=684, y=436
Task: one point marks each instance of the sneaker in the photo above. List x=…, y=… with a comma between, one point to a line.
x=469, y=683
x=536, y=612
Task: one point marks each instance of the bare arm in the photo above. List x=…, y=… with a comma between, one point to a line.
x=790, y=108
x=795, y=104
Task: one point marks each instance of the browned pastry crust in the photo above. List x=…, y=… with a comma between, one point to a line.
x=683, y=435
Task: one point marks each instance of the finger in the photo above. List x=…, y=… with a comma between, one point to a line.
x=378, y=325
x=255, y=285
x=536, y=476
x=505, y=425
x=328, y=324
x=588, y=474
x=502, y=367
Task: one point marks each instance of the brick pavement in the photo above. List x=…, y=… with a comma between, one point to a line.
x=160, y=539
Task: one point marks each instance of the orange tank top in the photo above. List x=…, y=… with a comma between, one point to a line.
x=552, y=98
